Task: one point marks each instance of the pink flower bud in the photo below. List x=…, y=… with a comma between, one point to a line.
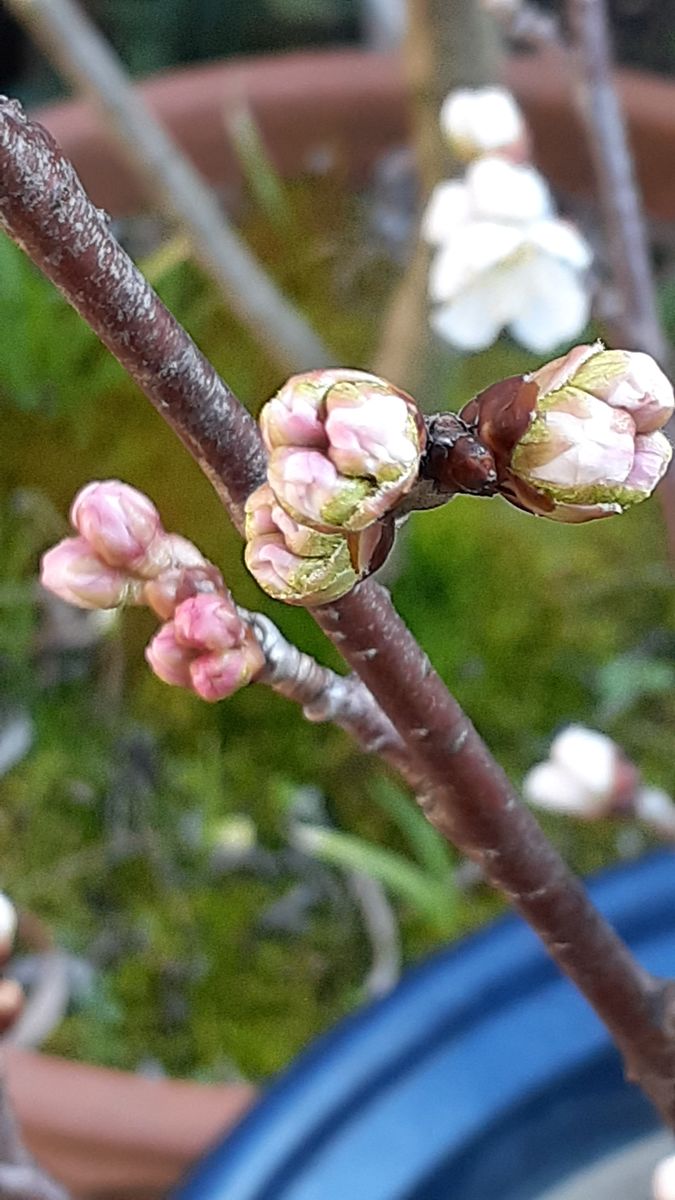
x=209, y=623
x=345, y=447
x=207, y=648
x=75, y=573
x=578, y=439
x=188, y=574
x=300, y=565
x=122, y=526
x=220, y=674
x=169, y=659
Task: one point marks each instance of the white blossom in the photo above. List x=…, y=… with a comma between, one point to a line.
x=477, y=121
x=663, y=1179
x=8, y=924
x=579, y=778
x=504, y=260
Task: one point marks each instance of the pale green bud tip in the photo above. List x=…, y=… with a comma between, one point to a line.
x=300, y=565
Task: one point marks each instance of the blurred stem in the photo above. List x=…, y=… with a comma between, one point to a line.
x=80, y=52
x=634, y=320
x=447, y=45
x=465, y=793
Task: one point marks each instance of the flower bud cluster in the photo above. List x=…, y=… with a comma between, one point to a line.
x=503, y=259
x=344, y=449
x=581, y=437
x=123, y=555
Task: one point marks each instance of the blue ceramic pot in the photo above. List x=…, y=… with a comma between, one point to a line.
x=483, y=1076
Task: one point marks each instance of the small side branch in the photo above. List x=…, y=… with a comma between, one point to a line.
x=324, y=695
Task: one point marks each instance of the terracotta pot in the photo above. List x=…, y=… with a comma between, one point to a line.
x=351, y=104
x=110, y=1134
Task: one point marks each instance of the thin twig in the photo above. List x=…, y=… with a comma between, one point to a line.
x=323, y=695
x=468, y=797
x=525, y=24
x=636, y=322
x=81, y=54
x=380, y=925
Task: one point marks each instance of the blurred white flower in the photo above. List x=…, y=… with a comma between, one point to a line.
x=504, y=260
x=588, y=776
x=8, y=925
x=478, y=121
x=663, y=1179
x=655, y=808
x=579, y=778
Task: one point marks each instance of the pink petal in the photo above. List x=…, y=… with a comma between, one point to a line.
x=75, y=573
x=169, y=660
x=209, y=622
x=652, y=456
x=217, y=676
x=122, y=526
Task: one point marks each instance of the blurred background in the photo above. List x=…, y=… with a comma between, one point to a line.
x=157, y=836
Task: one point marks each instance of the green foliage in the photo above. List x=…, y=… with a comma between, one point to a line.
x=432, y=898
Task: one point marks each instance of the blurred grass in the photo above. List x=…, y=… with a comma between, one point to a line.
x=109, y=827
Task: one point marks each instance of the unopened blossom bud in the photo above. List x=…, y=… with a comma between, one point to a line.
x=8, y=926
x=122, y=526
x=209, y=623
x=208, y=648
x=300, y=565
x=169, y=659
x=586, y=776
x=478, y=121
x=187, y=574
x=73, y=571
x=220, y=674
x=344, y=447
x=579, y=438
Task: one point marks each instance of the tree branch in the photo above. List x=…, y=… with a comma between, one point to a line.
x=466, y=794
x=70, y=39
